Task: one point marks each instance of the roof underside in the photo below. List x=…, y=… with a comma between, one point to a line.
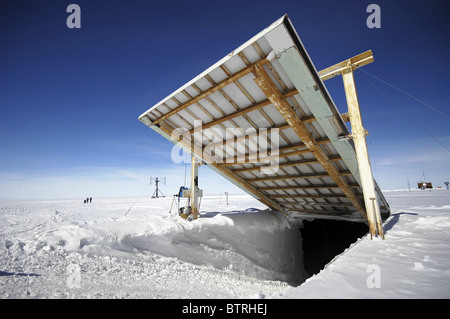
x=262, y=118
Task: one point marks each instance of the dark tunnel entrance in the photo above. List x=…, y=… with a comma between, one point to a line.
x=324, y=239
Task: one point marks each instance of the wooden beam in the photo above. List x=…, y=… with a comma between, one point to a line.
x=286, y=177
x=245, y=110
x=316, y=204
x=234, y=114
x=212, y=89
x=280, y=127
x=245, y=136
x=270, y=157
x=323, y=186
x=291, y=176
x=286, y=164
x=308, y=196
x=300, y=148
x=319, y=212
x=252, y=158
x=325, y=74
x=362, y=155
x=194, y=187
x=269, y=88
x=167, y=129
x=355, y=62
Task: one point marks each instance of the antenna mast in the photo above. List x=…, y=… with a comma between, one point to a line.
x=157, y=191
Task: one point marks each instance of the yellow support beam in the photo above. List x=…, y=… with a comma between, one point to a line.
x=362, y=155
x=354, y=63
x=346, y=68
x=271, y=91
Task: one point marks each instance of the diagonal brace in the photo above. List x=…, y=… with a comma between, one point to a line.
x=271, y=91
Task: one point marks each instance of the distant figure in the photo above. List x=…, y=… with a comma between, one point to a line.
x=90, y=199
x=84, y=201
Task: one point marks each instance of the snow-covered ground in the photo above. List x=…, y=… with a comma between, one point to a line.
x=68, y=249
x=412, y=262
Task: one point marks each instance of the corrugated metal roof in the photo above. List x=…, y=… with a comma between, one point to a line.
x=263, y=119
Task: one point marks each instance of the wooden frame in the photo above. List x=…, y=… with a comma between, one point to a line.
x=359, y=138
x=211, y=90
x=269, y=88
x=270, y=83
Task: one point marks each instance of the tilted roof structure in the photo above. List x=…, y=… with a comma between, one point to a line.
x=263, y=118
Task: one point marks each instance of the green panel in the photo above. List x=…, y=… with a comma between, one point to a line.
x=301, y=77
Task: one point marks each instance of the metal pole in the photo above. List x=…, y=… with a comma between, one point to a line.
x=359, y=139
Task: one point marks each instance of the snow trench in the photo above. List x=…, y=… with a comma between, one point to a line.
x=148, y=253
x=67, y=249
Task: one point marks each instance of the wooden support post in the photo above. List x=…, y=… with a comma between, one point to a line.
x=194, y=187
x=359, y=139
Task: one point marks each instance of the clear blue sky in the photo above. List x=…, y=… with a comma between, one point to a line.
x=70, y=98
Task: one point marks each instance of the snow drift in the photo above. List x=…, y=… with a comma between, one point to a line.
x=78, y=250
x=412, y=262
x=67, y=249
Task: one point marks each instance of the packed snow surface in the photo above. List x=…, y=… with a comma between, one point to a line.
x=104, y=249
x=412, y=262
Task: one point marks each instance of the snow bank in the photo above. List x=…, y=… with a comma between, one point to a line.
x=67, y=249
x=412, y=262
